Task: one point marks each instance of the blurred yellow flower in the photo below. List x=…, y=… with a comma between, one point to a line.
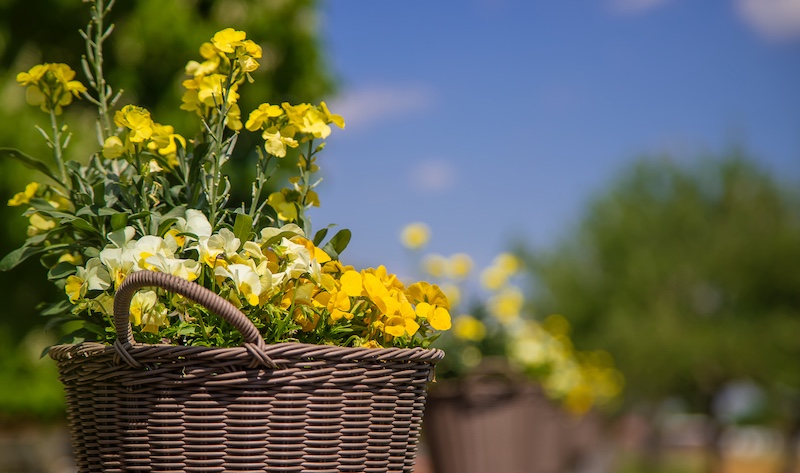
x=415, y=235
x=459, y=265
x=50, y=86
x=467, y=327
x=25, y=196
x=435, y=265
x=507, y=304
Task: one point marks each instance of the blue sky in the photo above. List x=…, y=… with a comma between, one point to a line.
x=492, y=120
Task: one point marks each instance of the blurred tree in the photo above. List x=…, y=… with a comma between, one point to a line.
x=146, y=55
x=688, y=276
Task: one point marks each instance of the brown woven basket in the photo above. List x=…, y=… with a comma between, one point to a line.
x=288, y=407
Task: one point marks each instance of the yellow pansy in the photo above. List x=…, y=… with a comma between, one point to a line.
x=352, y=283
x=337, y=304
x=425, y=292
x=25, y=196
x=438, y=317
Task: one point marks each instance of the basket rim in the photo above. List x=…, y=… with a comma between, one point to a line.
x=291, y=350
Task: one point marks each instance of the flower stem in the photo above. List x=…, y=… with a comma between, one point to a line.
x=58, y=150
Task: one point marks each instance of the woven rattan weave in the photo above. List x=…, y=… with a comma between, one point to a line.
x=287, y=407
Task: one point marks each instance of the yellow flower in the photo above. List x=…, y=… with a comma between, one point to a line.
x=307, y=119
x=493, y=278
x=438, y=317
x=40, y=224
x=275, y=143
x=137, y=120
x=287, y=210
x=507, y=305
x=25, y=196
x=211, y=88
x=234, y=117
x=51, y=86
x=426, y=292
x=460, y=265
x=467, y=327
x=507, y=262
x=337, y=304
x=352, y=283
x=261, y=115
x=415, y=235
x=113, y=147
x=435, y=265
x=331, y=117
x=166, y=141
x=228, y=39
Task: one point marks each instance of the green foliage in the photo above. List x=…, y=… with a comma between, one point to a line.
x=687, y=275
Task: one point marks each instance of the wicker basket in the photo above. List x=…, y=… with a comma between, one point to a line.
x=287, y=407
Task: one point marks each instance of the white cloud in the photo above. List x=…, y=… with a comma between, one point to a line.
x=366, y=106
x=774, y=19
x=629, y=7
x=433, y=175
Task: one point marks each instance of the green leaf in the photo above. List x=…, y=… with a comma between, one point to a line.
x=242, y=227
x=61, y=270
x=17, y=256
x=58, y=308
x=338, y=243
x=29, y=161
x=119, y=220
x=320, y=235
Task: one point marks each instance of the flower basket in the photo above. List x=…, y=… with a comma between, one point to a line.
x=288, y=407
x=493, y=422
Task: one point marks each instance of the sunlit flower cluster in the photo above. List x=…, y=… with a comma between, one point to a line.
x=499, y=323
x=152, y=200
x=51, y=86
x=228, y=59
x=140, y=134
x=278, y=273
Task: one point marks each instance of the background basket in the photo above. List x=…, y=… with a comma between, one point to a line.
x=287, y=407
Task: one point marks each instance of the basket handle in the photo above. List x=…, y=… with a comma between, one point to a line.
x=211, y=301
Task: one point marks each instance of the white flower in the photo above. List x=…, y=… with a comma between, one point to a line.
x=150, y=245
x=298, y=257
x=188, y=269
x=193, y=225
x=245, y=279
x=223, y=243
x=270, y=232
x=119, y=262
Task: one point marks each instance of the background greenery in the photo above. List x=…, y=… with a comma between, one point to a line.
x=687, y=274
x=145, y=57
